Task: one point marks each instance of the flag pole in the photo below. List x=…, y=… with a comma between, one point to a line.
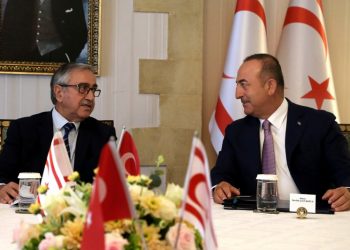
x=120, y=138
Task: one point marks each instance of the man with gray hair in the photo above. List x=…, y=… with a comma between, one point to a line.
x=73, y=92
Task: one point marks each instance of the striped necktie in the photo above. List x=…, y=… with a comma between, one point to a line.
x=67, y=128
x=268, y=153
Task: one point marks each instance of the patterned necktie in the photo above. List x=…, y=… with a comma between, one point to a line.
x=67, y=128
x=268, y=153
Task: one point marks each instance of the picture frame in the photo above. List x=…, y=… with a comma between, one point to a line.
x=87, y=51
x=4, y=125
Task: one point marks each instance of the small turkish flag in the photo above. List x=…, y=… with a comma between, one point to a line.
x=114, y=193
x=128, y=154
x=93, y=234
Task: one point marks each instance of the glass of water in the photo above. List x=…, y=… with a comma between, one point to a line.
x=266, y=193
x=28, y=185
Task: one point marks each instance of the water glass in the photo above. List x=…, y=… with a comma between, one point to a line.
x=266, y=193
x=28, y=185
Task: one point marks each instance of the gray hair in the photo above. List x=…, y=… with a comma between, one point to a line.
x=63, y=74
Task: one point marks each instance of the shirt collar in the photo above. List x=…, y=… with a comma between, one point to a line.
x=277, y=118
x=59, y=121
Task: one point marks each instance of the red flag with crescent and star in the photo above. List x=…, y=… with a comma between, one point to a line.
x=115, y=198
x=128, y=154
x=248, y=36
x=93, y=232
x=196, y=204
x=304, y=57
x=110, y=199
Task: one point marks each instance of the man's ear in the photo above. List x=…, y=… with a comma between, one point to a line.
x=272, y=86
x=58, y=90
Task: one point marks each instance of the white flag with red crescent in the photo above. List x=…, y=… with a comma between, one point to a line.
x=196, y=205
x=304, y=57
x=57, y=167
x=248, y=36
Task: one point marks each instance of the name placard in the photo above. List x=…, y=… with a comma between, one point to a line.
x=307, y=201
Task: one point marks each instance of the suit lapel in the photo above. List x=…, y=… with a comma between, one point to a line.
x=45, y=131
x=81, y=147
x=295, y=128
x=253, y=149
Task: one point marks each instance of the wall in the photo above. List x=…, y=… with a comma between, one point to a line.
x=178, y=81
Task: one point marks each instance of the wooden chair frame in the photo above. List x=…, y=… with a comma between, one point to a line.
x=345, y=129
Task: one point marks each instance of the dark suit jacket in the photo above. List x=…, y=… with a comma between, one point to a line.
x=29, y=139
x=17, y=35
x=316, y=151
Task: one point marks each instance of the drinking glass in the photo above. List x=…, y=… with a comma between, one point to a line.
x=266, y=193
x=28, y=185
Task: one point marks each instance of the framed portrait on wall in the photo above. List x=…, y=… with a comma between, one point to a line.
x=37, y=36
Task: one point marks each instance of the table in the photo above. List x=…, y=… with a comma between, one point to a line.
x=238, y=229
x=9, y=220
x=243, y=230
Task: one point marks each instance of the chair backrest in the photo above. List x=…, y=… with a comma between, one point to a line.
x=345, y=129
x=108, y=122
x=4, y=125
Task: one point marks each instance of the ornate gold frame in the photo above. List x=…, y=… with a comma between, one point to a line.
x=4, y=124
x=47, y=68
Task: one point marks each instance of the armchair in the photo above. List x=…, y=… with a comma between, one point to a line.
x=5, y=123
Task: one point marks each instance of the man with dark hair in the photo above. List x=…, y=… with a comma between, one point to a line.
x=42, y=30
x=73, y=92
x=309, y=153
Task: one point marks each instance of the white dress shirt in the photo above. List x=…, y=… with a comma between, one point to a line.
x=278, y=120
x=58, y=122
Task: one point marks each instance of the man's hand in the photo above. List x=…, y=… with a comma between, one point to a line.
x=224, y=190
x=8, y=192
x=339, y=198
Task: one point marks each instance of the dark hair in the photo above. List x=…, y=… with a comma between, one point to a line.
x=270, y=67
x=63, y=73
